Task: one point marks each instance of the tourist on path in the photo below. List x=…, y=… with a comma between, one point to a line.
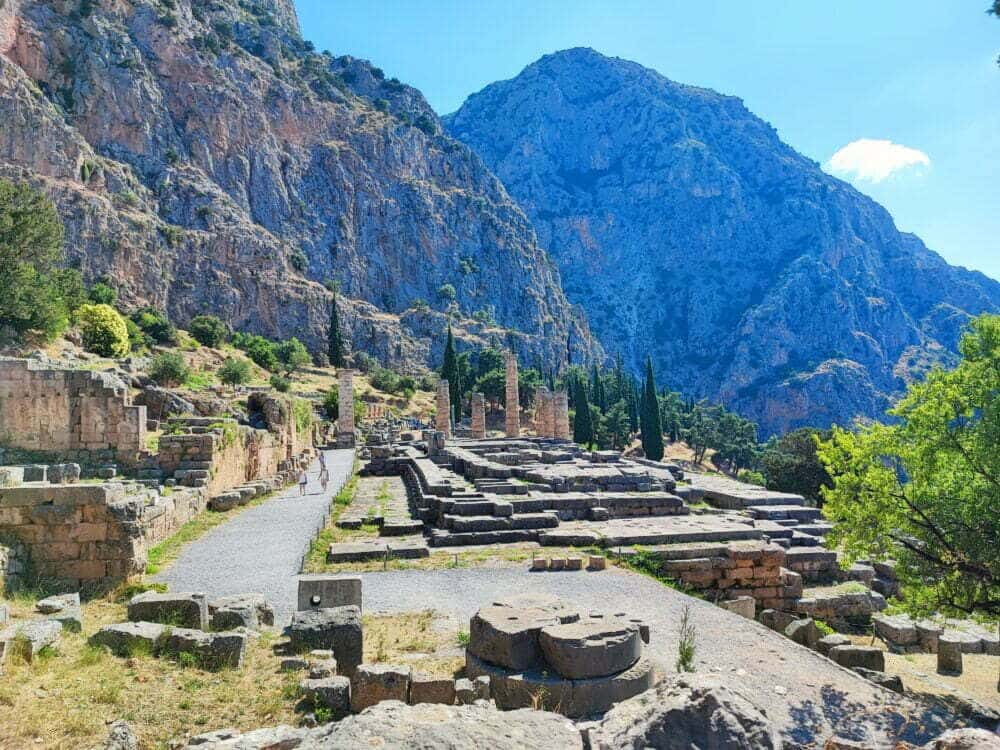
x=324, y=477
x=302, y=481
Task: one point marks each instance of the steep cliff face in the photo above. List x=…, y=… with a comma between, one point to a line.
x=687, y=229
x=207, y=159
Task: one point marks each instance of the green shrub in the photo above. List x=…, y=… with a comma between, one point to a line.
x=155, y=325
x=102, y=294
x=752, y=477
x=235, y=371
x=169, y=369
x=280, y=384
x=331, y=404
x=292, y=355
x=259, y=349
x=302, y=410
x=104, y=330
x=208, y=330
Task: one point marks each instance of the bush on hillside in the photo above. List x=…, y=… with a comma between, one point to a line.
x=292, y=355
x=155, y=325
x=280, y=384
x=259, y=349
x=235, y=371
x=102, y=294
x=208, y=330
x=104, y=330
x=169, y=369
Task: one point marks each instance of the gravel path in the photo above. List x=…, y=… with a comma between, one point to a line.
x=807, y=695
x=261, y=548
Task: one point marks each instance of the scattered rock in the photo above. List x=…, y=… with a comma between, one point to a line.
x=337, y=629
x=121, y=737
x=964, y=739
x=129, y=638
x=890, y=682
x=804, y=632
x=331, y=693
x=26, y=639
x=240, y=611
x=867, y=657
x=827, y=642
x=210, y=650
x=181, y=610
x=374, y=683
x=427, y=689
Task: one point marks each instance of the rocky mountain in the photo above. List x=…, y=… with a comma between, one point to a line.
x=687, y=229
x=207, y=159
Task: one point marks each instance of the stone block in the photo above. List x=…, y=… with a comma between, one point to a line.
x=465, y=692
x=240, y=611
x=374, y=683
x=928, y=633
x=597, y=695
x=506, y=632
x=337, y=629
x=949, y=653
x=827, y=642
x=326, y=591
x=186, y=610
x=294, y=664
x=322, y=668
x=557, y=563
x=896, y=630
x=26, y=639
x=574, y=563
x=597, y=562
x=867, y=657
x=330, y=693
x=889, y=682
x=427, y=689
x=590, y=647
x=481, y=686
x=804, y=632
x=777, y=620
x=210, y=650
x=129, y=638
x=540, y=563
x=744, y=606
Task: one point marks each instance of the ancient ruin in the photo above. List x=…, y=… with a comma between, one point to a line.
x=478, y=416
x=512, y=412
x=442, y=415
x=345, y=406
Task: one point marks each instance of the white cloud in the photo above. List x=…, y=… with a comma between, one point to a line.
x=874, y=160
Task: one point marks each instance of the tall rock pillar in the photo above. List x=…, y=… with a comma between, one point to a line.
x=542, y=426
x=560, y=416
x=512, y=415
x=478, y=416
x=345, y=408
x=442, y=419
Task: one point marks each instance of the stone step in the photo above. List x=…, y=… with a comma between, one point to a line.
x=799, y=539
x=443, y=538
x=401, y=527
x=818, y=529
x=461, y=524
x=777, y=512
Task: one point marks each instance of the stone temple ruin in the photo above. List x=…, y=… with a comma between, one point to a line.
x=60, y=425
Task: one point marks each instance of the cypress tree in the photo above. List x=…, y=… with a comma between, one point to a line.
x=450, y=372
x=336, y=339
x=649, y=417
x=583, y=427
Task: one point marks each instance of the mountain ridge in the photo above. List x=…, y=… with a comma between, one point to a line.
x=685, y=227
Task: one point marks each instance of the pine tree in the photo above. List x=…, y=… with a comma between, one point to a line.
x=649, y=417
x=583, y=426
x=336, y=338
x=450, y=372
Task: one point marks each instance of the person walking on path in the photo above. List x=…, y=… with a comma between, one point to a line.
x=322, y=460
x=303, y=479
x=324, y=477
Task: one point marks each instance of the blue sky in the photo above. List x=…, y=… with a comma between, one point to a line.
x=916, y=81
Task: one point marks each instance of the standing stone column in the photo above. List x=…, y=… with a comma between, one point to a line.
x=345, y=408
x=478, y=416
x=560, y=417
x=541, y=411
x=442, y=419
x=512, y=415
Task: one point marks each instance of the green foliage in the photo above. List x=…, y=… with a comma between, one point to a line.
x=450, y=372
x=751, y=477
x=336, y=350
x=280, y=384
x=103, y=329
x=686, y=642
x=790, y=464
x=583, y=426
x=235, y=371
x=302, y=410
x=614, y=427
x=925, y=490
x=155, y=324
x=446, y=293
x=649, y=417
x=292, y=355
x=102, y=294
x=208, y=330
x=259, y=349
x=493, y=387
x=169, y=369
x=34, y=304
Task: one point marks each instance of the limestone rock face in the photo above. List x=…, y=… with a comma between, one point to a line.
x=207, y=160
x=686, y=228
x=692, y=711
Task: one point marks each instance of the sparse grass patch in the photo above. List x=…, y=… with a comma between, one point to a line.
x=412, y=638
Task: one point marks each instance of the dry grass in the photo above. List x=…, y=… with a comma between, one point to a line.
x=418, y=639
x=67, y=700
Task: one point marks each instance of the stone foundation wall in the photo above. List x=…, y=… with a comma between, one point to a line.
x=92, y=534
x=12, y=564
x=68, y=413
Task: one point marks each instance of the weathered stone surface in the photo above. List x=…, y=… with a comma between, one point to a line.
x=590, y=647
x=128, y=638
x=325, y=591
x=210, y=650
x=692, y=711
x=59, y=603
x=505, y=633
x=890, y=682
x=181, y=609
x=827, y=642
x=868, y=657
x=465, y=692
x=121, y=737
x=429, y=726
x=928, y=633
x=804, y=632
x=428, y=689
x=896, y=630
x=323, y=668
x=964, y=739
x=26, y=639
x=240, y=611
x=744, y=606
x=331, y=693
x=949, y=654
x=336, y=628
x=374, y=683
